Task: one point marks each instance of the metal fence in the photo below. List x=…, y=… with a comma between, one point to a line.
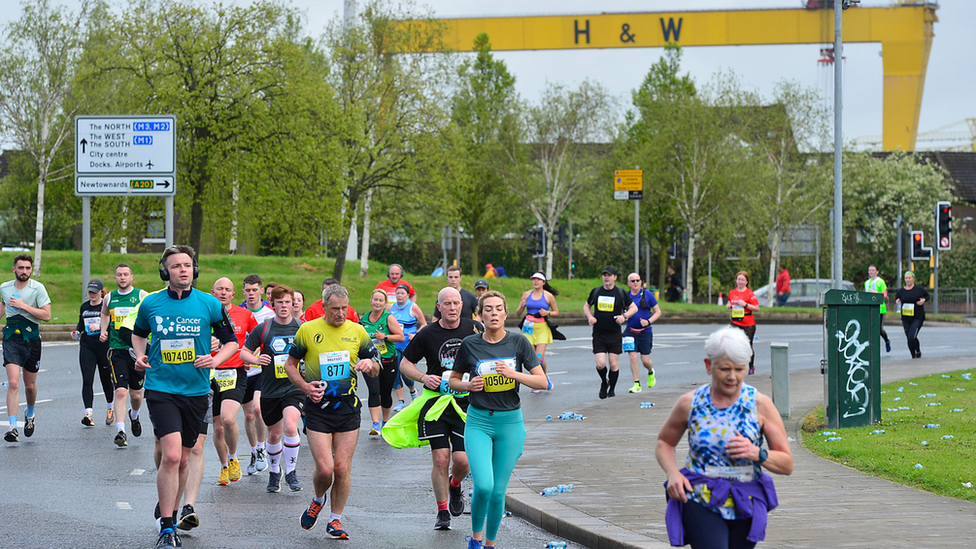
x=952, y=301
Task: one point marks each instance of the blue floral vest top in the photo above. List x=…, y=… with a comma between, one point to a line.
x=708, y=429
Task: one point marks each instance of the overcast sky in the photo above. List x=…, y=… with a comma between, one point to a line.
x=949, y=86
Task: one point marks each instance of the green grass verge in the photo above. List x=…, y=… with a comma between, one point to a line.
x=946, y=463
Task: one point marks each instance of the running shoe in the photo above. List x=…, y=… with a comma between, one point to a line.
x=311, y=515
x=251, y=469
x=888, y=346
x=534, y=391
x=399, y=406
x=611, y=393
x=651, y=380
x=334, y=529
x=166, y=540
x=414, y=394
x=636, y=388
x=456, y=504
x=292, y=480
x=29, y=426
x=274, y=482
x=604, y=386
x=109, y=417
x=375, y=429
x=12, y=435
x=156, y=512
x=188, y=518
x=120, y=439
x=443, y=521
x=224, y=478
x=178, y=539
x=474, y=543
x=234, y=469
x=88, y=420
x=261, y=463
x=136, y=426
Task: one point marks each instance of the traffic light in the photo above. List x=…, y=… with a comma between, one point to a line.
x=673, y=250
x=943, y=225
x=540, y=242
x=919, y=251
x=559, y=238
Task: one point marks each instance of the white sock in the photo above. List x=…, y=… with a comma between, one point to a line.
x=335, y=517
x=261, y=445
x=254, y=450
x=120, y=426
x=88, y=411
x=231, y=456
x=274, y=456
x=292, y=446
x=133, y=413
x=111, y=405
x=320, y=501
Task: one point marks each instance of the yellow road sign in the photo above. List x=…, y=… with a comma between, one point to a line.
x=628, y=180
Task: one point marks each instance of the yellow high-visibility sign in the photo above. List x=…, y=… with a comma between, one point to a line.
x=628, y=180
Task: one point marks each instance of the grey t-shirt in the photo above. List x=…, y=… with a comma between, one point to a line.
x=277, y=343
x=478, y=357
x=33, y=294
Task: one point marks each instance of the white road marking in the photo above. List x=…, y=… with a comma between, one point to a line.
x=123, y=505
x=25, y=404
x=137, y=472
x=557, y=373
x=676, y=363
x=803, y=354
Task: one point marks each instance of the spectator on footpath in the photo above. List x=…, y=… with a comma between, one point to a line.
x=782, y=286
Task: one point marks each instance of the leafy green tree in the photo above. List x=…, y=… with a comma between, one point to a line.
x=38, y=58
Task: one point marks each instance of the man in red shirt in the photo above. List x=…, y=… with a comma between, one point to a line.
x=315, y=310
x=394, y=277
x=782, y=286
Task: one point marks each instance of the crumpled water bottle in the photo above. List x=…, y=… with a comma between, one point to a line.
x=556, y=545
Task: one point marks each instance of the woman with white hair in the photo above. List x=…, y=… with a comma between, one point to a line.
x=721, y=496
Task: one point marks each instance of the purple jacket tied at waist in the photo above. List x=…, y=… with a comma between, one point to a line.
x=761, y=491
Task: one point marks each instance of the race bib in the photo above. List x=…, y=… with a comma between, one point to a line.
x=118, y=316
x=744, y=473
x=605, y=303
x=380, y=346
x=495, y=382
x=279, y=364
x=334, y=366
x=226, y=379
x=528, y=327
x=907, y=309
x=177, y=351
x=445, y=389
x=93, y=325
x=628, y=344
x=738, y=313
x=391, y=297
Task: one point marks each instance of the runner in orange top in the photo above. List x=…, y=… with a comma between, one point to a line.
x=743, y=303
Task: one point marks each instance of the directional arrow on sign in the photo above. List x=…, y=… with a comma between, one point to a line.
x=164, y=184
x=83, y=143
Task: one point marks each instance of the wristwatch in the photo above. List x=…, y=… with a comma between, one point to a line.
x=763, y=455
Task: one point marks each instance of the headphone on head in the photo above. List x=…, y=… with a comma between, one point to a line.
x=164, y=272
x=394, y=265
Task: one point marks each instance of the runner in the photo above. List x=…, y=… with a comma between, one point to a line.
x=229, y=384
x=316, y=310
x=638, y=338
x=480, y=287
x=281, y=402
x=606, y=309
x=720, y=464
x=876, y=284
x=92, y=353
x=334, y=350
x=254, y=426
x=267, y=294
x=128, y=381
x=495, y=435
x=539, y=304
x=385, y=331
x=394, y=278
x=411, y=319
x=189, y=519
x=742, y=303
x=912, y=299
x=180, y=320
x=440, y=416
x=299, y=304
x=469, y=300
x=26, y=304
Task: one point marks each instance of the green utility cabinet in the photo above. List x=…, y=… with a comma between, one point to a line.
x=852, y=352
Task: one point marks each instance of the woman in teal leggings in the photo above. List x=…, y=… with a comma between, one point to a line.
x=496, y=362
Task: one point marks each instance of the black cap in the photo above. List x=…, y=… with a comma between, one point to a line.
x=609, y=271
x=481, y=284
x=95, y=285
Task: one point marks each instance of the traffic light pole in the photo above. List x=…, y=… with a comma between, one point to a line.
x=838, y=274
x=935, y=283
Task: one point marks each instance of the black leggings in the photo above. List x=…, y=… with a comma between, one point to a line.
x=91, y=358
x=884, y=334
x=381, y=386
x=705, y=529
x=751, y=334
x=912, y=325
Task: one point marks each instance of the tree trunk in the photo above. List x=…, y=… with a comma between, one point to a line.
x=352, y=241
x=548, y=254
x=39, y=225
x=340, y=263
x=689, y=277
x=364, y=261
x=773, y=261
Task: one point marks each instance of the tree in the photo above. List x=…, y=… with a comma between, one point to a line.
x=37, y=63
x=552, y=152
x=390, y=103
x=483, y=109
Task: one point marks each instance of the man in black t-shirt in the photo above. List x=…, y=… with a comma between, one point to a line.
x=606, y=309
x=469, y=301
x=438, y=343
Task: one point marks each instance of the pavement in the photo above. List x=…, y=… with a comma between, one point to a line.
x=618, y=501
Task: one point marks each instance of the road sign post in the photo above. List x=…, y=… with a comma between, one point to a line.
x=629, y=185
x=123, y=156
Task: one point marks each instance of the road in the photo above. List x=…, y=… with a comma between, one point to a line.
x=70, y=486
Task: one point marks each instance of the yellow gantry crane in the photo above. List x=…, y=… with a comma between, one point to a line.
x=904, y=32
